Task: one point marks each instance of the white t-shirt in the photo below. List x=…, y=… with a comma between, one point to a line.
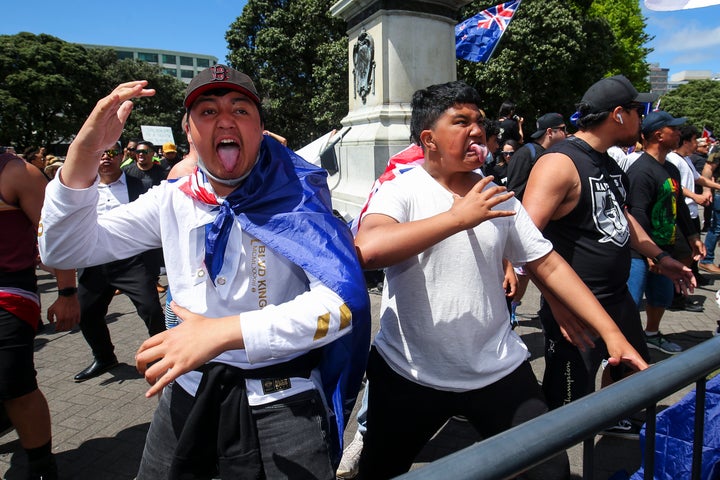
x=688, y=175
x=444, y=320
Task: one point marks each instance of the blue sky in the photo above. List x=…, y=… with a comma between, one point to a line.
x=684, y=40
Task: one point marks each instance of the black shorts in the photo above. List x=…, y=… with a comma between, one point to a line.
x=17, y=369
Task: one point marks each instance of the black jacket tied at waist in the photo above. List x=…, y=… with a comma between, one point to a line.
x=219, y=435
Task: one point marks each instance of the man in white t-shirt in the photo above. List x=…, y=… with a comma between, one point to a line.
x=689, y=178
x=445, y=345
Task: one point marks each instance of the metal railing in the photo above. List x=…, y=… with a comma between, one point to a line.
x=513, y=451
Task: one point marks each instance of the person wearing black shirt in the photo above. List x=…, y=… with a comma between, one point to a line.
x=510, y=123
x=657, y=202
x=576, y=195
x=551, y=129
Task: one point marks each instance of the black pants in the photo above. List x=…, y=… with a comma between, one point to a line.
x=96, y=288
x=403, y=415
x=569, y=372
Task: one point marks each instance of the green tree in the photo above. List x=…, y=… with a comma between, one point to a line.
x=165, y=108
x=297, y=54
x=47, y=88
x=628, y=27
x=698, y=100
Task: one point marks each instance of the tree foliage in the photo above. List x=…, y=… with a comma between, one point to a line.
x=628, y=50
x=48, y=88
x=698, y=100
x=165, y=108
x=297, y=55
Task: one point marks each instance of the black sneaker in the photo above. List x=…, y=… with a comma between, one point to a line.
x=623, y=429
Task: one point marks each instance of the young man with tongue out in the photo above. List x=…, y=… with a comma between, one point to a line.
x=263, y=370
x=445, y=345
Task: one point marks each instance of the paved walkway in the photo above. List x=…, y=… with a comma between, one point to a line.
x=99, y=426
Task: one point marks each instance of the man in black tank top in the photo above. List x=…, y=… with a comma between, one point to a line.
x=576, y=195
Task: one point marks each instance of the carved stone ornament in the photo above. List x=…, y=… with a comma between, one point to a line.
x=364, y=63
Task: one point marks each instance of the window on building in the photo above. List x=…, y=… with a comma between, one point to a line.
x=203, y=62
x=121, y=55
x=169, y=58
x=170, y=71
x=148, y=57
x=187, y=61
x=187, y=73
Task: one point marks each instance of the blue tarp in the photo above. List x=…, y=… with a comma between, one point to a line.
x=674, y=439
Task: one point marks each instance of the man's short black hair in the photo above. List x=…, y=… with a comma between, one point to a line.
x=687, y=132
x=492, y=128
x=148, y=144
x=430, y=103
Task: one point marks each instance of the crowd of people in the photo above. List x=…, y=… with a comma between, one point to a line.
x=259, y=368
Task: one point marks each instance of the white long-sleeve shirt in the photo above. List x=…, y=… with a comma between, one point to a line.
x=283, y=311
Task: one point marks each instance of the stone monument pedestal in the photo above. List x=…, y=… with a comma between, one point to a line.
x=395, y=48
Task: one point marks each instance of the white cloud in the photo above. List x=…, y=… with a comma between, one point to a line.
x=692, y=58
x=690, y=38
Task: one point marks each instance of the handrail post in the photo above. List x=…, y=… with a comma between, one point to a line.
x=699, y=431
x=650, y=426
x=589, y=458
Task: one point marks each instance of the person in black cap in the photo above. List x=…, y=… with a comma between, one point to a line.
x=576, y=195
x=263, y=371
x=551, y=129
x=657, y=202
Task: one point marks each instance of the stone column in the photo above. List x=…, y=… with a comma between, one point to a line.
x=395, y=48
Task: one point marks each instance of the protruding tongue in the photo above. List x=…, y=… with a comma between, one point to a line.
x=480, y=151
x=228, y=153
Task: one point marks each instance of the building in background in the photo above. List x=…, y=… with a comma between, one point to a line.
x=683, y=77
x=182, y=65
x=658, y=79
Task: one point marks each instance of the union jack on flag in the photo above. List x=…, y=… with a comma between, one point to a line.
x=477, y=37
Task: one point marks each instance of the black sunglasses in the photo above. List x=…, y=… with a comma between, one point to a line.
x=142, y=152
x=111, y=153
x=129, y=149
x=508, y=154
x=640, y=108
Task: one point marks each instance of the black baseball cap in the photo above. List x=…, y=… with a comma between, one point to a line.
x=608, y=93
x=549, y=120
x=220, y=76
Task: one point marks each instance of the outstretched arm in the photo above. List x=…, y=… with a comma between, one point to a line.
x=642, y=243
x=562, y=281
x=552, y=192
x=382, y=241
